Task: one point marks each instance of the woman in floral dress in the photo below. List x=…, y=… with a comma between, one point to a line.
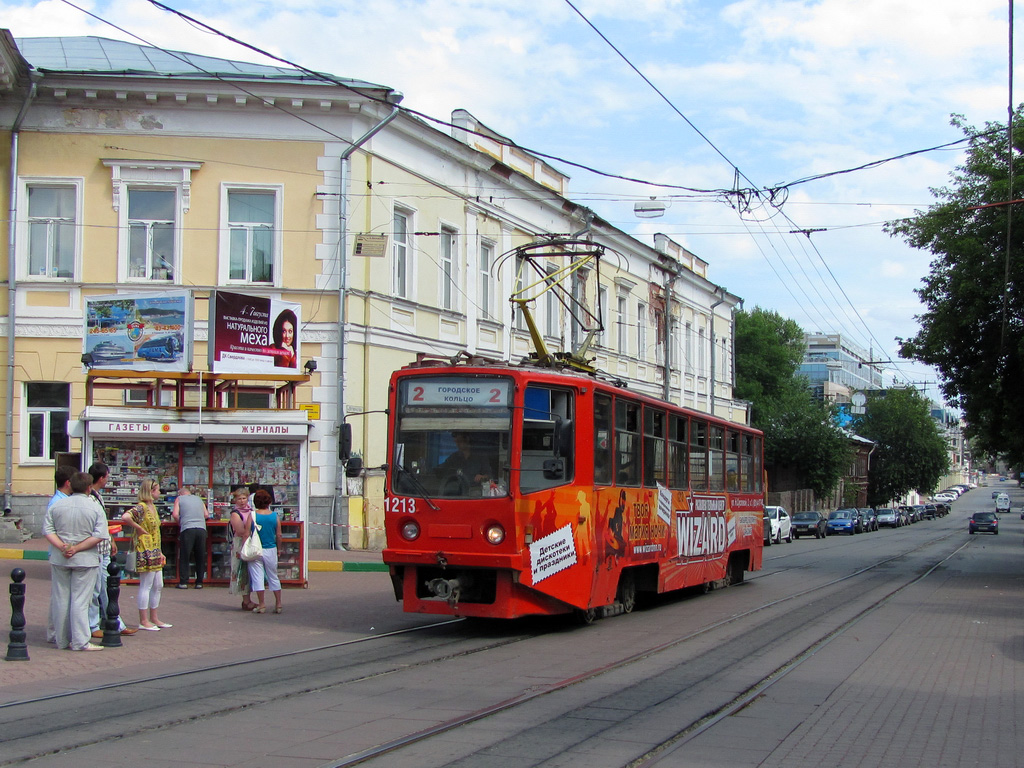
x=241, y=524
x=149, y=559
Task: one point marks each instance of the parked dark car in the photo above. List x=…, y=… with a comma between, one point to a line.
x=867, y=516
x=844, y=521
x=809, y=524
x=983, y=521
x=942, y=509
x=918, y=510
x=888, y=518
x=930, y=513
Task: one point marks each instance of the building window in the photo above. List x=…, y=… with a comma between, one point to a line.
x=487, y=287
x=520, y=317
x=151, y=198
x=623, y=339
x=602, y=301
x=52, y=231
x=702, y=354
x=401, y=246
x=47, y=409
x=448, y=254
x=551, y=324
x=252, y=233
x=151, y=232
x=641, y=331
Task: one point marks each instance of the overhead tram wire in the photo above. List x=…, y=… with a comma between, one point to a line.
x=754, y=192
x=507, y=142
x=736, y=194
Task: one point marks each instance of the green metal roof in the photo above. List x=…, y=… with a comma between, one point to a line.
x=102, y=56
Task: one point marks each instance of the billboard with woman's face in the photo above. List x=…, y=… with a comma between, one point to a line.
x=253, y=334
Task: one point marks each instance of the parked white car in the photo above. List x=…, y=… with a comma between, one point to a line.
x=777, y=526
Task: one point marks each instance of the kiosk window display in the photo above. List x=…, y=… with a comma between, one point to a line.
x=213, y=471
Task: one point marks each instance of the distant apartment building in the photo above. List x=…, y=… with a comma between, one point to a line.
x=836, y=368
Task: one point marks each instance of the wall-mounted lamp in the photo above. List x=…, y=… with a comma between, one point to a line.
x=310, y=366
x=200, y=440
x=87, y=359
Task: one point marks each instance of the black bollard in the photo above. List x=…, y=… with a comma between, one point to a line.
x=111, y=625
x=16, y=648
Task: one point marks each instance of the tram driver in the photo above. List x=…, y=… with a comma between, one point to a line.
x=466, y=469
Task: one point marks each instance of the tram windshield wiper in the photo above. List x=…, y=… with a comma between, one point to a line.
x=418, y=486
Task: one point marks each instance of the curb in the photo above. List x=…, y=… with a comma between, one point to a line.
x=341, y=565
x=23, y=554
x=322, y=566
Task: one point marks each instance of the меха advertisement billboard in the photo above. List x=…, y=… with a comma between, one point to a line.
x=253, y=334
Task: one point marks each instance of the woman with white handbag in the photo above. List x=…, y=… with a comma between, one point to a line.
x=263, y=568
x=241, y=525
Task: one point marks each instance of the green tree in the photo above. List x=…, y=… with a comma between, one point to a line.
x=801, y=436
x=972, y=330
x=909, y=454
x=769, y=350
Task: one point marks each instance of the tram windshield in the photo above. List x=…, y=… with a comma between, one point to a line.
x=452, y=436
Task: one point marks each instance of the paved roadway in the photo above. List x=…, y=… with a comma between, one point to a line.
x=933, y=676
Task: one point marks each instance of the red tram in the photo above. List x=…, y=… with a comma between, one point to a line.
x=518, y=490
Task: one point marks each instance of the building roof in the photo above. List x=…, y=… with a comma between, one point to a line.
x=102, y=56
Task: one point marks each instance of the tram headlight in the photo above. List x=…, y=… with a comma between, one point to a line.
x=410, y=530
x=495, y=534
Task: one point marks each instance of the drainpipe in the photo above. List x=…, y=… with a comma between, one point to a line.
x=394, y=98
x=12, y=286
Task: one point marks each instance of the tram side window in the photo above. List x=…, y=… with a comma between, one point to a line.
x=717, y=472
x=627, y=443
x=677, y=452
x=758, y=464
x=548, y=452
x=654, y=447
x=747, y=463
x=602, y=440
x=698, y=455
x=732, y=462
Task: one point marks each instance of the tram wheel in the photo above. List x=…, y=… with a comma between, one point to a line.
x=585, y=617
x=627, y=592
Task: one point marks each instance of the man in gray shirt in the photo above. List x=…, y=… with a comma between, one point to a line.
x=74, y=526
x=191, y=514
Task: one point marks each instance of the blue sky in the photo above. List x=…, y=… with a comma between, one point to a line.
x=784, y=89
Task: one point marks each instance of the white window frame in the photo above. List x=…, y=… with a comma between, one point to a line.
x=602, y=300
x=689, y=363
x=449, y=292
x=623, y=320
x=641, y=330
x=48, y=414
x=519, y=278
x=403, y=249
x=224, y=246
x=22, y=226
x=702, y=353
x=488, y=291
x=551, y=305
x=157, y=175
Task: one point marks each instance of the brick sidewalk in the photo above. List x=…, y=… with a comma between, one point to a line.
x=208, y=624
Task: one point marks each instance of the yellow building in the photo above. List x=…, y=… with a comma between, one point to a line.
x=156, y=171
